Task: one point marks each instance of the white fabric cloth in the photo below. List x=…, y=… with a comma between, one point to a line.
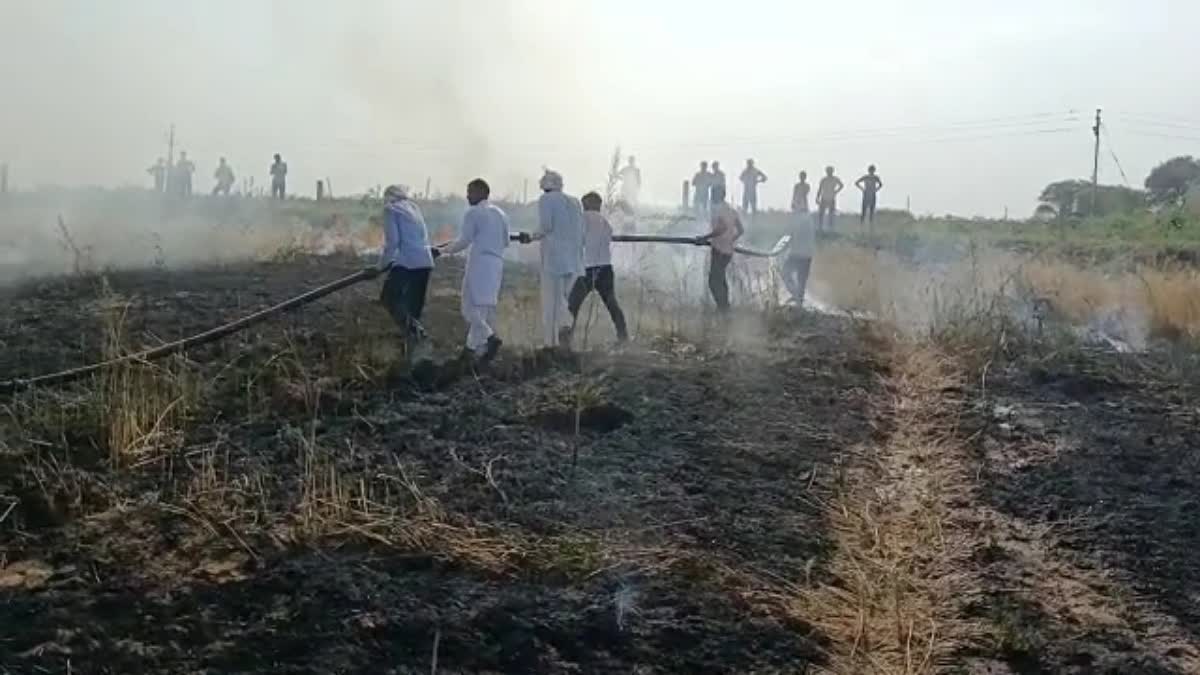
x=551, y=180
x=560, y=217
x=597, y=240
x=804, y=236
x=485, y=232
x=555, y=314
x=481, y=320
x=405, y=237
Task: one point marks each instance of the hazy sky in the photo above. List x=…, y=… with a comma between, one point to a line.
x=965, y=105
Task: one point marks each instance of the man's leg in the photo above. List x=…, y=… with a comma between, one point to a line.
x=606, y=286
x=579, y=292
x=866, y=205
x=717, y=283
x=788, y=272
x=479, y=320
x=801, y=270
x=552, y=290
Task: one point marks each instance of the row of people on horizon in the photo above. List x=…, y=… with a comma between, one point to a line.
x=175, y=178
x=828, y=189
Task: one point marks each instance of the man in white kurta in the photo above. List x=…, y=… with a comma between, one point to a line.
x=560, y=219
x=485, y=232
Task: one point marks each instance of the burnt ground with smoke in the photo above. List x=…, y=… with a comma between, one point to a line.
x=295, y=500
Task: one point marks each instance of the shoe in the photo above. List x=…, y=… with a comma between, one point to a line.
x=493, y=347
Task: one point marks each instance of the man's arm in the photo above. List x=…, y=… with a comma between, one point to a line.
x=762, y=177
x=465, y=236
x=839, y=187
x=878, y=184
x=859, y=183
x=545, y=220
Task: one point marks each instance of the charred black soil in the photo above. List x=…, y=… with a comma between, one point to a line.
x=296, y=499
x=302, y=503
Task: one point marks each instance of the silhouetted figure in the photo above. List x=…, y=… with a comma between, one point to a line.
x=182, y=173
x=224, y=177
x=718, y=178
x=750, y=178
x=158, y=171
x=827, y=193
x=701, y=184
x=870, y=184
x=279, y=171
x=631, y=182
x=800, y=194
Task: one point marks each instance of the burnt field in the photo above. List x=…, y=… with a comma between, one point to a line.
x=799, y=493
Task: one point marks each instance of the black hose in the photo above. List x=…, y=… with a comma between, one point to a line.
x=62, y=377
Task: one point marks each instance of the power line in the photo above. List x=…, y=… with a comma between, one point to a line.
x=1112, y=151
x=1156, y=134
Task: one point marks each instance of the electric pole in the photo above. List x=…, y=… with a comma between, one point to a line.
x=1096, y=163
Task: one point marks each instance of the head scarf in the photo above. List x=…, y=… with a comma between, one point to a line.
x=395, y=193
x=552, y=180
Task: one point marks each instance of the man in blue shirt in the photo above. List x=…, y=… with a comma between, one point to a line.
x=408, y=260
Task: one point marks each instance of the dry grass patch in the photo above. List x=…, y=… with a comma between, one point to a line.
x=892, y=598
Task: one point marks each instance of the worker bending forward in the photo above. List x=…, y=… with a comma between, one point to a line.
x=598, y=270
x=726, y=230
x=485, y=233
x=560, y=217
x=408, y=260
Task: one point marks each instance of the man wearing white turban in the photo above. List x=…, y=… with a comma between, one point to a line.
x=408, y=260
x=560, y=219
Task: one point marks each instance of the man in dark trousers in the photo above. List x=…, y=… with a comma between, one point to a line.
x=751, y=177
x=408, y=260
x=598, y=270
x=726, y=230
x=279, y=171
x=827, y=192
x=870, y=184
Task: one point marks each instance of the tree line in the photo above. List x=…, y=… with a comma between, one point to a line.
x=1167, y=185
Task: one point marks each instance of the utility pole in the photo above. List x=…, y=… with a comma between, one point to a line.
x=171, y=146
x=1096, y=163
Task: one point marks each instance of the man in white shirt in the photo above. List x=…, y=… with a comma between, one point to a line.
x=408, y=260
x=726, y=230
x=560, y=220
x=598, y=270
x=485, y=232
x=801, y=249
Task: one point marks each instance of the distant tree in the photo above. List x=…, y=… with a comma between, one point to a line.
x=1045, y=212
x=1169, y=181
x=1074, y=197
x=1113, y=199
x=1063, y=195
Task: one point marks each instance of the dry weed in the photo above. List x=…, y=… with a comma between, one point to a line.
x=892, y=597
